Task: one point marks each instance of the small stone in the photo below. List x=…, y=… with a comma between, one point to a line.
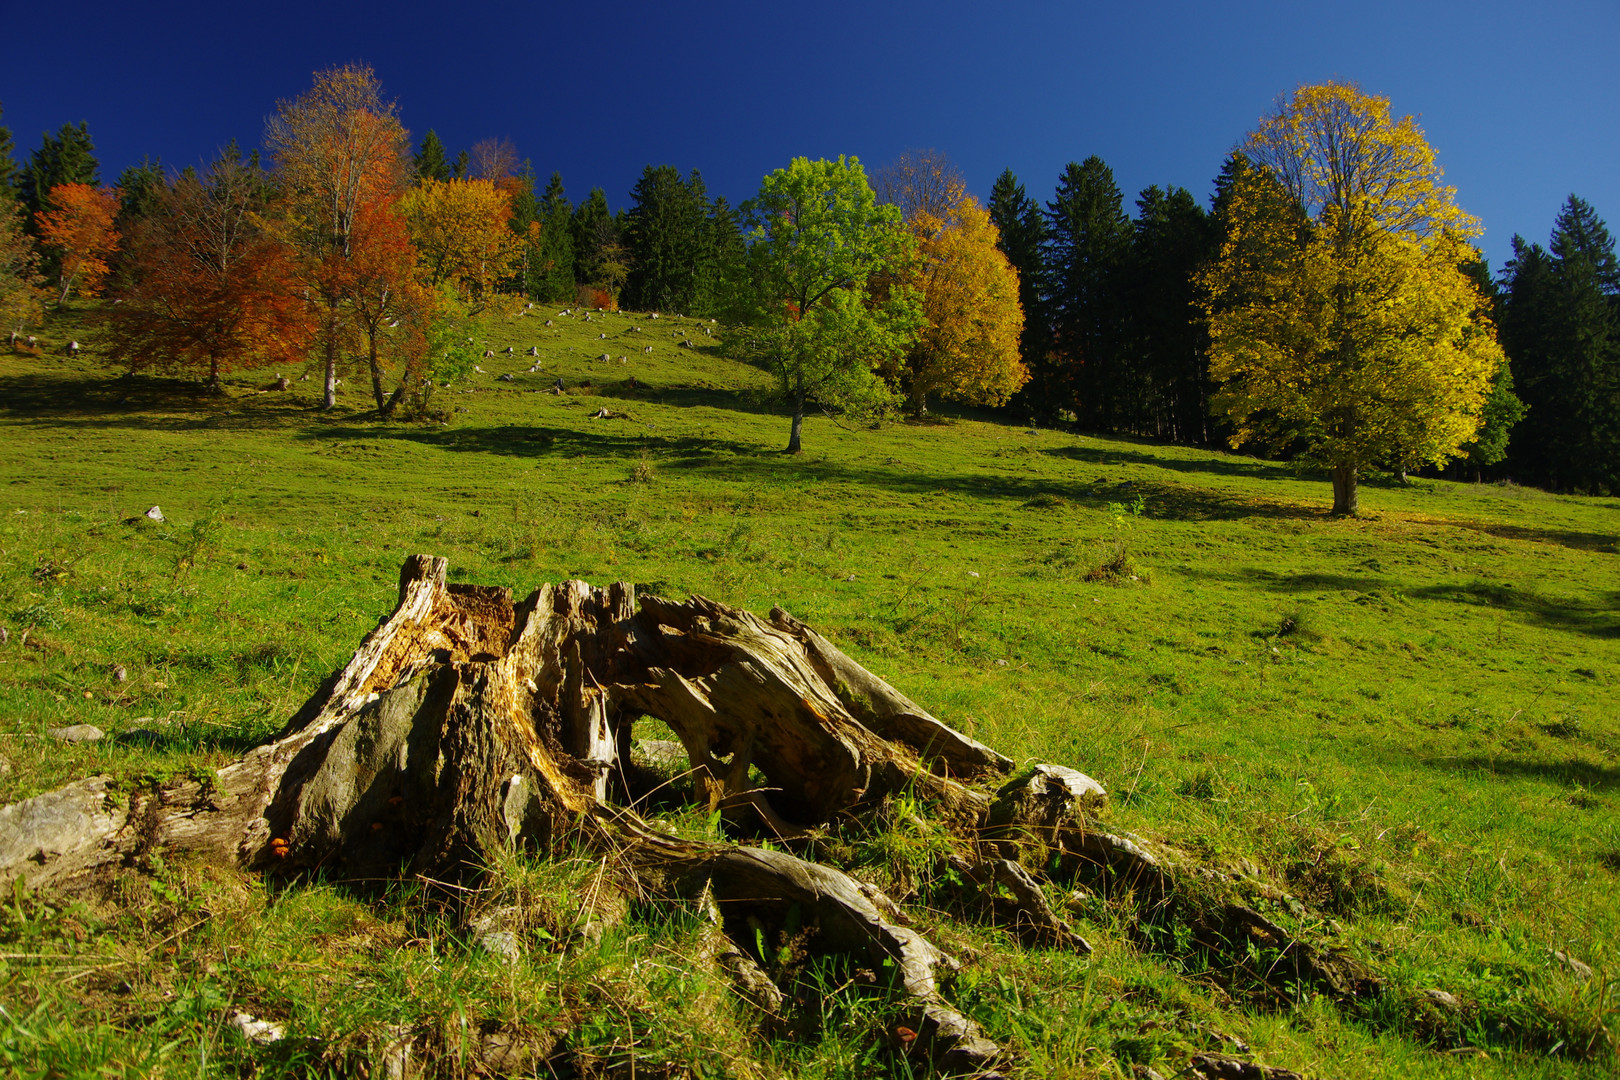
x=118, y=673
x=262, y=1032
x=502, y=943
x=155, y=514
x=5, y=635
x=241, y=566
x=77, y=733
x=1442, y=1000
x=1001, y=663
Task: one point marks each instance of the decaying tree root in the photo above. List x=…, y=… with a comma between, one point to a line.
x=466, y=724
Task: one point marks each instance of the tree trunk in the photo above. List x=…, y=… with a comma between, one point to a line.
x=376, y=373
x=329, y=399
x=795, y=445
x=1345, y=501
x=466, y=724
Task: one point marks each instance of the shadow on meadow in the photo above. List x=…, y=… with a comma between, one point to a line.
x=144, y=403
x=1568, y=773
x=734, y=460
x=1596, y=617
x=1583, y=541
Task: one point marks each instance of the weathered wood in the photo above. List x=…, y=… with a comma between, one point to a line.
x=465, y=724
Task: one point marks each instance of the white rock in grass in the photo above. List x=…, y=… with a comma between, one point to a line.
x=255, y=1030
x=155, y=514
x=77, y=733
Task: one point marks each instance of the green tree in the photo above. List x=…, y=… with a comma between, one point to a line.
x=1165, y=338
x=1561, y=327
x=527, y=222
x=429, y=161
x=668, y=239
x=1344, y=325
x=599, y=256
x=722, y=277
x=556, y=257
x=8, y=163
x=818, y=241
x=1087, y=245
x=67, y=158
x=1023, y=234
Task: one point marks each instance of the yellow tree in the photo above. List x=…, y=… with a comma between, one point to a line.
x=1341, y=321
x=461, y=228
x=969, y=349
x=338, y=149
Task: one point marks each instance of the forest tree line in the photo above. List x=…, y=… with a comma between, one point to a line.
x=1104, y=314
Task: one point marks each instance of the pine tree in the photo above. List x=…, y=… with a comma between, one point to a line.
x=1166, y=341
x=1086, y=248
x=429, y=161
x=526, y=222
x=1023, y=232
x=1561, y=329
x=667, y=238
x=462, y=167
x=8, y=165
x=596, y=240
x=722, y=278
x=68, y=158
x=556, y=243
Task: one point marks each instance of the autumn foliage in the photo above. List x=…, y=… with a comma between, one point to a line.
x=211, y=290
x=79, y=226
x=338, y=150
x=392, y=309
x=462, y=229
x=969, y=349
x=1341, y=321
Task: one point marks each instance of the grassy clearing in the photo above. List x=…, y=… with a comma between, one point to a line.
x=1407, y=718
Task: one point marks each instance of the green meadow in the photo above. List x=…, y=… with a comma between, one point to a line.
x=1407, y=719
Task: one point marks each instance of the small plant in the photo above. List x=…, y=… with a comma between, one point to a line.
x=643, y=472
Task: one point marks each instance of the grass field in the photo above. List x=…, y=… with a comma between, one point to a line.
x=1408, y=718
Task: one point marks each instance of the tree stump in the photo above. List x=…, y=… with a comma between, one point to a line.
x=466, y=724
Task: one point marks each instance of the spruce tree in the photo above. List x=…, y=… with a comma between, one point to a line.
x=1165, y=337
x=556, y=243
x=722, y=278
x=595, y=235
x=68, y=158
x=1023, y=230
x=430, y=161
x=667, y=238
x=1560, y=326
x=1086, y=248
x=8, y=164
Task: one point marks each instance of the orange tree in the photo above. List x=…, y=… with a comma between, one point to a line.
x=392, y=308
x=210, y=289
x=338, y=149
x=79, y=226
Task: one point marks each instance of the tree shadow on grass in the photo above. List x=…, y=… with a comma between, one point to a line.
x=1216, y=464
x=1566, y=773
x=1595, y=618
x=144, y=403
x=1583, y=541
x=733, y=460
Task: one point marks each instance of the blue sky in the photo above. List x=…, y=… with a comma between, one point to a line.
x=1521, y=101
